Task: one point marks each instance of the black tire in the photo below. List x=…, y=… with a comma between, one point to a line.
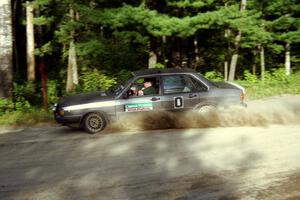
x=94, y=123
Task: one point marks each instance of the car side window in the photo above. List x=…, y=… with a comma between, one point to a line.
x=198, y=86
x=144, y=86
x=176, y=84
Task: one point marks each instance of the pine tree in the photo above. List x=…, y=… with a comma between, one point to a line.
x=284, y=23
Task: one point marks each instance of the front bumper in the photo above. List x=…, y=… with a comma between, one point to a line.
x=65, y=118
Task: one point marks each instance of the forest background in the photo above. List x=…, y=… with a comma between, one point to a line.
x=53, y=48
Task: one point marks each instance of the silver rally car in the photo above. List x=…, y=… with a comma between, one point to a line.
x=148, y=90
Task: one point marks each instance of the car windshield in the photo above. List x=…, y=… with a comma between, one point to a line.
x=118, y=89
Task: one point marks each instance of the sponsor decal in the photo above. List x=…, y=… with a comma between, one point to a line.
x=178, y=102
x=137, y=107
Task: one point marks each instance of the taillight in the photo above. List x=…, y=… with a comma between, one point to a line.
x=242, y=96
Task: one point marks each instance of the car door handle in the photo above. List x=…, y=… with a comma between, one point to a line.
x=155, y=99
x=192, y=95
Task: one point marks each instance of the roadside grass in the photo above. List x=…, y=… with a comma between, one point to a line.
x=271, y=86
x=23, y=118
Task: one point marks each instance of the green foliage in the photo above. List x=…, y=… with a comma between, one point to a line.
x=39, y=21
x=278, y=75
x=95, y=80
x=6, y=106
x=276, y=82
x=159, y=66
x=123, y=76
x=46, y=49
x=52, y=91
x=214, y=76
x=23, y=105
x=25, y=96
x=250, y=79
x=190, y=3
x=26, y=118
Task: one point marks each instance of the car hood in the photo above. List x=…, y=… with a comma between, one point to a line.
x=85, y=99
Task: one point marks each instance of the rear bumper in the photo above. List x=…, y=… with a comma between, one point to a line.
x=243, y=104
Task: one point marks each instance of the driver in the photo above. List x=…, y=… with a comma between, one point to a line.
x=148, y=88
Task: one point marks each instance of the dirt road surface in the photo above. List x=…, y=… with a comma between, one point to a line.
x=232, y=162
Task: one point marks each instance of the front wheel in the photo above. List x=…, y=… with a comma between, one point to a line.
x=94, y=123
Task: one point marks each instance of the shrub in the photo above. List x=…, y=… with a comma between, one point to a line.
x=123, y=76
x=250, y=78
x=26, y=91
x=95, y=80
x=52, y=91
x=280, y=76
x=6, y=106
x=276, y=82
x=159, y=66
x=214, y=76
x=25, y=96
x=25, y=118
x=22, y=105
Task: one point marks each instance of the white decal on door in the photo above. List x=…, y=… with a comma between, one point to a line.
x=178, y=102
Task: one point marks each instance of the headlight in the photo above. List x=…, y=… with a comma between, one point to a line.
x=54, y=107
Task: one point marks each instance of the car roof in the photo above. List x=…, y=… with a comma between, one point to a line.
x=160, y=71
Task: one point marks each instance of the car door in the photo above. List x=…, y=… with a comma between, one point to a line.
x=130, y=103
x=179, y=93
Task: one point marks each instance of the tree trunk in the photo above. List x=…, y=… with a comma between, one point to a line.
x=41, y=64
x=225, y=70
x=44, y=78
x=196, y=52
x=262, y=62
x=6, y=49
x=164, y=51
x=72, y=72
x=254, y=66
x=30, y=42
x=287, y=62
x=176, y=53
x=227, y=34
x=15, y=35
x=72, y=76
x=234, y=57
x=152, y=60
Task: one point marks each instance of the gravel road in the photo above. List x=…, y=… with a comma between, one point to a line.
x=247, y=161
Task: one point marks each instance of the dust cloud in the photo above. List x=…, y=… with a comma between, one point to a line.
x=277, y=110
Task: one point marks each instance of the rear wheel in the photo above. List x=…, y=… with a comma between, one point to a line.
x=206, y=109
x=94, y=122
